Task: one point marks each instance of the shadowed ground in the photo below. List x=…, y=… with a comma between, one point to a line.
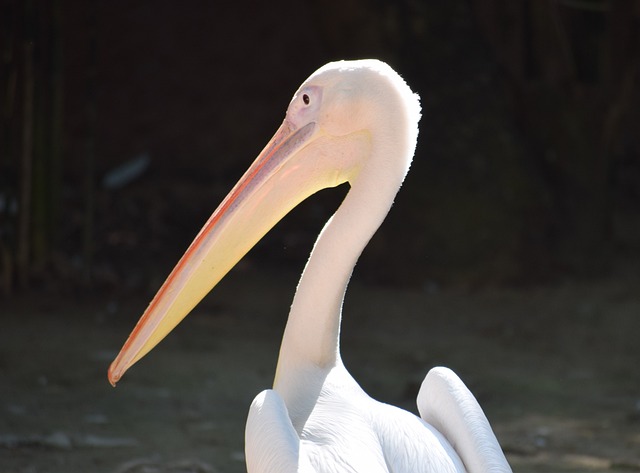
x=554, y=371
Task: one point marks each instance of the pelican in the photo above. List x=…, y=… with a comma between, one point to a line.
x=355, y=122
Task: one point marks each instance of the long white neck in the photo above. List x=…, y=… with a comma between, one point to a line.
x=312, y=333
x=310, y=345
x=311, y=341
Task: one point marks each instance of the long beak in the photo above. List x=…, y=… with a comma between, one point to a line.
x=293, y=165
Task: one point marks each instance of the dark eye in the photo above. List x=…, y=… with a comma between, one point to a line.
x=306, y=99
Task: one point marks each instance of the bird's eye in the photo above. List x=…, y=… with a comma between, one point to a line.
x=306, y=99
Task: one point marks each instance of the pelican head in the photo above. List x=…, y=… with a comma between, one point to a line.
x=347, y=120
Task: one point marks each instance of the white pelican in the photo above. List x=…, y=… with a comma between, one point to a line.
x=356, y=122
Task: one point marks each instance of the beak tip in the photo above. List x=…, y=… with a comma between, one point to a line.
x=113, y=375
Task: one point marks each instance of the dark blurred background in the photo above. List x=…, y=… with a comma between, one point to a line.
x=123, y=125
x=512, y=253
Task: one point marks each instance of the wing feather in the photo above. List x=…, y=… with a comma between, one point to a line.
x=446, y=403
